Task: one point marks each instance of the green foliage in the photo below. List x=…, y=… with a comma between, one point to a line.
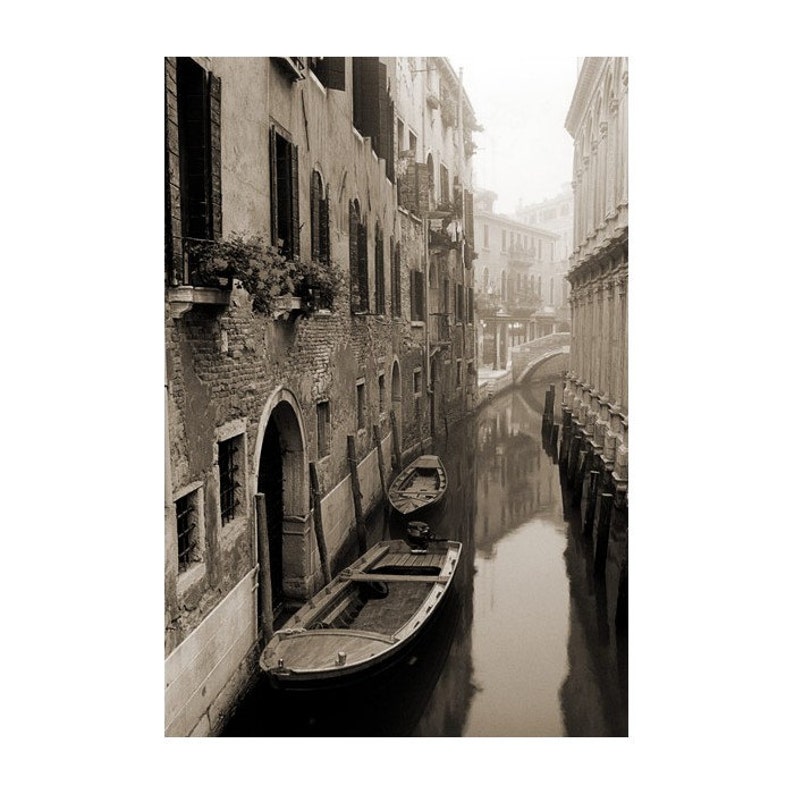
x=263, y=272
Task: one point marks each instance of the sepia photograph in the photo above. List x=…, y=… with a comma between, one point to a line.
x=396, y=346
x=318, y=398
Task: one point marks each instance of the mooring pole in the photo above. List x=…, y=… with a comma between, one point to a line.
x=395, y=440
x=602, y=535
x=381, y=470
x=318, y=521
x=361, y=529
x=589, y=502
x=622, y=607
x=265, y=584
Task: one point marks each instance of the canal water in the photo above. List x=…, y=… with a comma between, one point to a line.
x=526, y=643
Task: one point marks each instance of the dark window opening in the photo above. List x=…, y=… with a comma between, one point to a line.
x=361, y=406
x=329, y=71
x=380, y=274
x=396, y=284
x=320, y=225
x=417, y=295
x=229, y=456
x=381, y=394
x=187, y=531
x=285, y=219
x=359, y=262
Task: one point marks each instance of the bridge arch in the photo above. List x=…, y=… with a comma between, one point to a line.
x=530, y=356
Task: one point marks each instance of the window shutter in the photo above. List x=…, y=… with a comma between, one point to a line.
x=314, y=202
x=468, y=201
x=396, y=298
x=325, y=228
x=363, y=269
x=353, y=256
x=365, y=96
x=381, y=142
x=331, y=73
x=295, y=209
x=273, y=189
x=215, y=155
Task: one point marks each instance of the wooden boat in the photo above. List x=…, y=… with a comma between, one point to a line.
x=363, y=620
x=419, y=486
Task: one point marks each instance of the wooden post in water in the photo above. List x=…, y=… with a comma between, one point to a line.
x=265, y=584
x=395, y=441
x=602, y=534
x=361, y=529
x=555, y=432
x=622, y=607
x=589, y=502
x=318, y=521
x=573, y=455
x=381, y=470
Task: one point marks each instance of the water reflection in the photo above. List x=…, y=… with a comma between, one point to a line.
x=526, y=645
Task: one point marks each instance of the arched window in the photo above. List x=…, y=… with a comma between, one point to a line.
x=320, y=225
x=359, y=265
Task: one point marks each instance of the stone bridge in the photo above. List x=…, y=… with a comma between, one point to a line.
x=528, y=357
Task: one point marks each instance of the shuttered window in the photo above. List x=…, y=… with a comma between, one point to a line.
x=470, y=306
x=417, y=295
x=329, y=71
x=459, y=309
x=380, y=274
x=396, y=281
x=284, y=211
x=193, y=165
x=359, y=263
x=321, y=240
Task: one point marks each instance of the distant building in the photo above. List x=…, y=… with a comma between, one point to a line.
x=511, y=276
x=554, y=215
x=596, y=389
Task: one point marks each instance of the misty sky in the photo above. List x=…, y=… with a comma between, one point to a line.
x=525, y=151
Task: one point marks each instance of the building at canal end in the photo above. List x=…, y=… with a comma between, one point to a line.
x=596, y=387
x=512, y=277
x=554, y=215
x=312, y=208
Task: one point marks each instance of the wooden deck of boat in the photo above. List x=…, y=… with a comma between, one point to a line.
x=429, y=560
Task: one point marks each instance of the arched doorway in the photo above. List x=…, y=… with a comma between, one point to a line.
x=396, y=405
x=281, y=478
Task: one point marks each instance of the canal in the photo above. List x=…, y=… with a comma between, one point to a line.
x=526, y=644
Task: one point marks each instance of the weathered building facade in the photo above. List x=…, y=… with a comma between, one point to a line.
x=596, y=388
x=511, y=276
x=298, y=266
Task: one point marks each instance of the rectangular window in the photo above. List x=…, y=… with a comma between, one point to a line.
x=187, y=530
x=459, y=308
x=411, y=142
x=459, y=373
x=443, y=178
x=540, y=249
x=361, y=405
x=551, y=291
x=418, y=382
x=229, y=461
x=470, y=306
x=380, y=274
x=320, y=224
x=417, y=295
x=284, y=213
x=485, y=242
x=400, y=135
x=193, y=170
x=396, y=281
x=381, y=393
x=323, y=428
x=373, y=109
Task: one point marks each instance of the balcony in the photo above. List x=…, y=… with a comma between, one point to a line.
x=520, y=256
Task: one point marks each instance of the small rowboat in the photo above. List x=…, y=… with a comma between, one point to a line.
x=362, y=621
x=419, y=486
